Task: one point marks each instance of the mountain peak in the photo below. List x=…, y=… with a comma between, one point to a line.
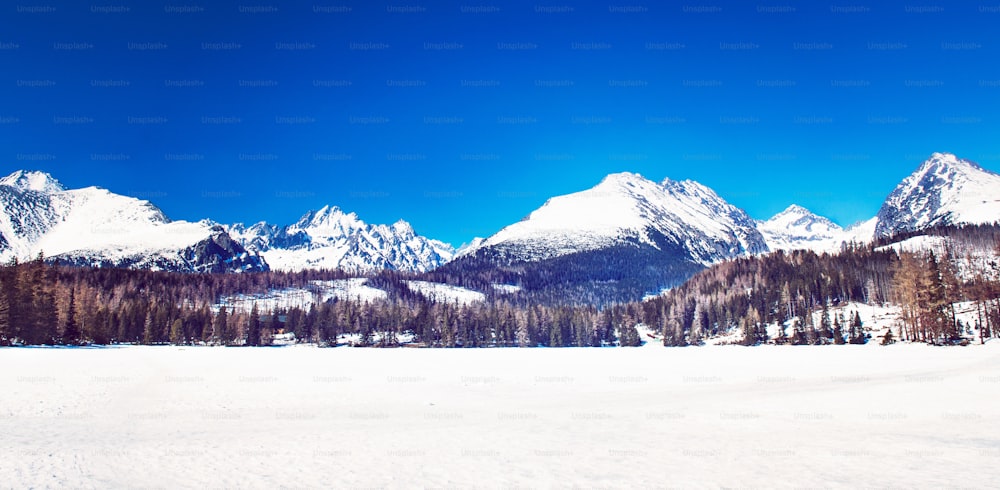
x=794, y=209
x=32, y=180
x=945, y=189
x=798, y=228
x=942, y=163
x=626, y=209
x=329, y=216
x=403, y=228
x=624, y=179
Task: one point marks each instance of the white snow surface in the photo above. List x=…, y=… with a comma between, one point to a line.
x=354, y=289
x=446, y=293
x=906, y=415
x=333, y=239
x=945, y=189
x=627, y=207
x=507, y=288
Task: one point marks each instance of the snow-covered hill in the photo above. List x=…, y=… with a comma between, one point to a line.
x=944, y=190
x=628, y=209
x=332, y=239
x=95, y=227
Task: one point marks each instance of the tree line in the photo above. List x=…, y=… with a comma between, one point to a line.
x=798, y=292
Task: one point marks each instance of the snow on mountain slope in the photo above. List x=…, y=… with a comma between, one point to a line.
x=945, y=189
x=862, y=232
x=94, y=226
x=626, y=208
x=28, y=212
x=31, y=181
x=798, y=228
x=332, y=239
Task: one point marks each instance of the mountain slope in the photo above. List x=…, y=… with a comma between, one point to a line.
x=95, y=227
x=943, y=190
x=626, y=208
x=798, y=228
x=332, y=239
x=615, y=242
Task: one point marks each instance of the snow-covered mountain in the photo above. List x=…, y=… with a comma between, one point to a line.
x=332, y=239
x=627, y=209
x=95, y=227
x=617, y=241
x=944, y=190
x=797, y=228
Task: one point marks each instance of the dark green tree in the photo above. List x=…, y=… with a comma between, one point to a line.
x=253, y=327
x=71, y=331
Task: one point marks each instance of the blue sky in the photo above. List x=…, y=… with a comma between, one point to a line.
x=462, y=117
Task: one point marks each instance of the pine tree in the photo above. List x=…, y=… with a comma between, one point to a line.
x=177, y=332
x=825, y=325
x=628, y=335
x=697, y=325
x=555, y=335
x=523, y=331
x=220, y=328
x=857, y=333
x=148, y=329
x=253, y=327
x=838, y=331
x=268, y=327
x=6, y=336
x=71, y=332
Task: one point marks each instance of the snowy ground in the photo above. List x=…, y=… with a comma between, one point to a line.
x=302, y=417
x=446, y=293
x=355, y=289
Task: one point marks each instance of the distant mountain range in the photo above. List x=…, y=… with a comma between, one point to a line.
x=332, y=239
x=626, y=230
x=95, y=227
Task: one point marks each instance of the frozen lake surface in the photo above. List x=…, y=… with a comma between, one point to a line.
x=294, y=417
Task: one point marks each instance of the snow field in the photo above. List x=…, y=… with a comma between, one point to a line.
x=354, y=289
x=446, y=293
x=302, y=417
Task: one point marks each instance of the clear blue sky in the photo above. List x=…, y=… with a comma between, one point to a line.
x=462, y=117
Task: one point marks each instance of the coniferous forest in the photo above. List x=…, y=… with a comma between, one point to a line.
x=44, y=303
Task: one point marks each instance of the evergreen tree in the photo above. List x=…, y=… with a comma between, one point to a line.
x=555, y=336
x=523, y=330
x=6, y=331
x=220, y=328
x=253, y=327
x=71, y=332
x=838, y=331
x=148, y=329
x=825, y=325
x=628, y=335
x=268, y=326
x=857, y=333
x=177, y=332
